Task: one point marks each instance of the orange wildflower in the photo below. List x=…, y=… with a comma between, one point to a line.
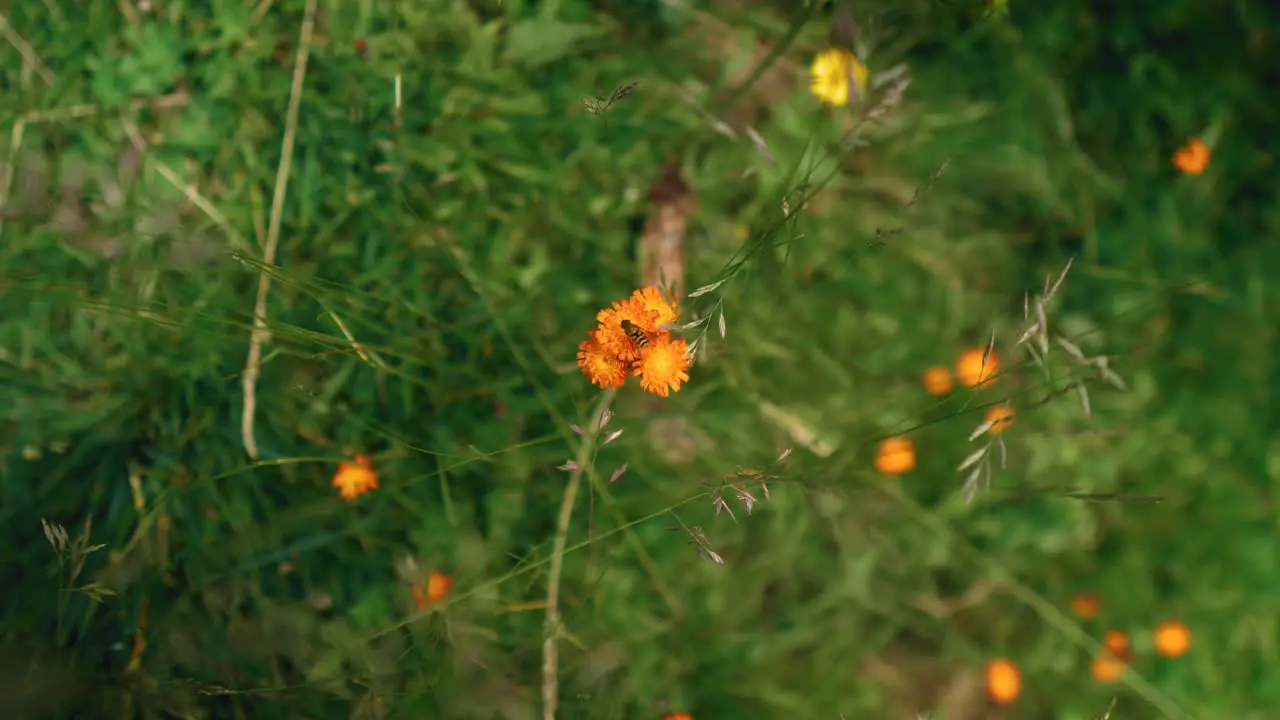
x=1172, y=639
x=1086, y=605
x=971, y=369
x=601, y=366
x=1106, y=668
x=1117, y=643
x=655, y=301
x=354, y=479
x=613, y=338
x=1004, y=681
x=895, y=456
x=630, y=340
x=1193, y=157
x=434, y=589
x=677, y=716
x=663, y=366
x=1000, y=417
x=937, y=380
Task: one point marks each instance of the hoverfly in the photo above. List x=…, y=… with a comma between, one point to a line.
x=635, y=334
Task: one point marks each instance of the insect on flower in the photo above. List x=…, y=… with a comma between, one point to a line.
x=633, y=331
x=631, y=339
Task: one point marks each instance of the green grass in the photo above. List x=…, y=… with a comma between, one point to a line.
x=464, y=240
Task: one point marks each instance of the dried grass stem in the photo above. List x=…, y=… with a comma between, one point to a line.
x=260, y=332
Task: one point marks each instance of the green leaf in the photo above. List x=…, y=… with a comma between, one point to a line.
x=542, y=40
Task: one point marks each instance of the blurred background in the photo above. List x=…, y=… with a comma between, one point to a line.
x=291, y=291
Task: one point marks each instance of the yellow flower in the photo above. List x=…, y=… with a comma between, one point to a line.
x=355, y=478
x=602, y=367
x=830, y=72
x=663, y=365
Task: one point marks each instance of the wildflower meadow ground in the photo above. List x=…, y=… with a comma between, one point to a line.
x=697, y=360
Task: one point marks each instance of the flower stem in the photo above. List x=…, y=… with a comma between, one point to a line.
x=550, y=646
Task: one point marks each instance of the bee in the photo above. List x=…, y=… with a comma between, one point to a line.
x=635, y=334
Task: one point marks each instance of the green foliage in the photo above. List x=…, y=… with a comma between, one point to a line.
x=463, y=195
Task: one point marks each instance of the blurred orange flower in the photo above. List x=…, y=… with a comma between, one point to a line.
x=434, y=589
x=631, y=340
x=1117, y=643
x=937, y=380
x=354, y=479
x=1172, y=639
x=895, y=456
x=973, y=371
x=1000, y=417
x=1193, y=157
x=677, y=716
x=1106, y=668
x=1004, y=681
x=1086, y=605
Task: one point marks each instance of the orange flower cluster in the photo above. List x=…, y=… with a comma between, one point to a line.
x=975, y=368
x=1170, y=639
x=630, y=341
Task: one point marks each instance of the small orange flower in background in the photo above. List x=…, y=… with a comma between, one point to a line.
x=1086, y=605
x=434, y=589
x=677, y=716
x=937, y=380
x=830, y=73
x=630, y=341
x=895, y=456
x=1106, y=668
x=1000, y=417
x=354, y=479
x=1117, y=643
x=1193, y=157
x=1172, y=639
x=972, y=371
x=1004, y=681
